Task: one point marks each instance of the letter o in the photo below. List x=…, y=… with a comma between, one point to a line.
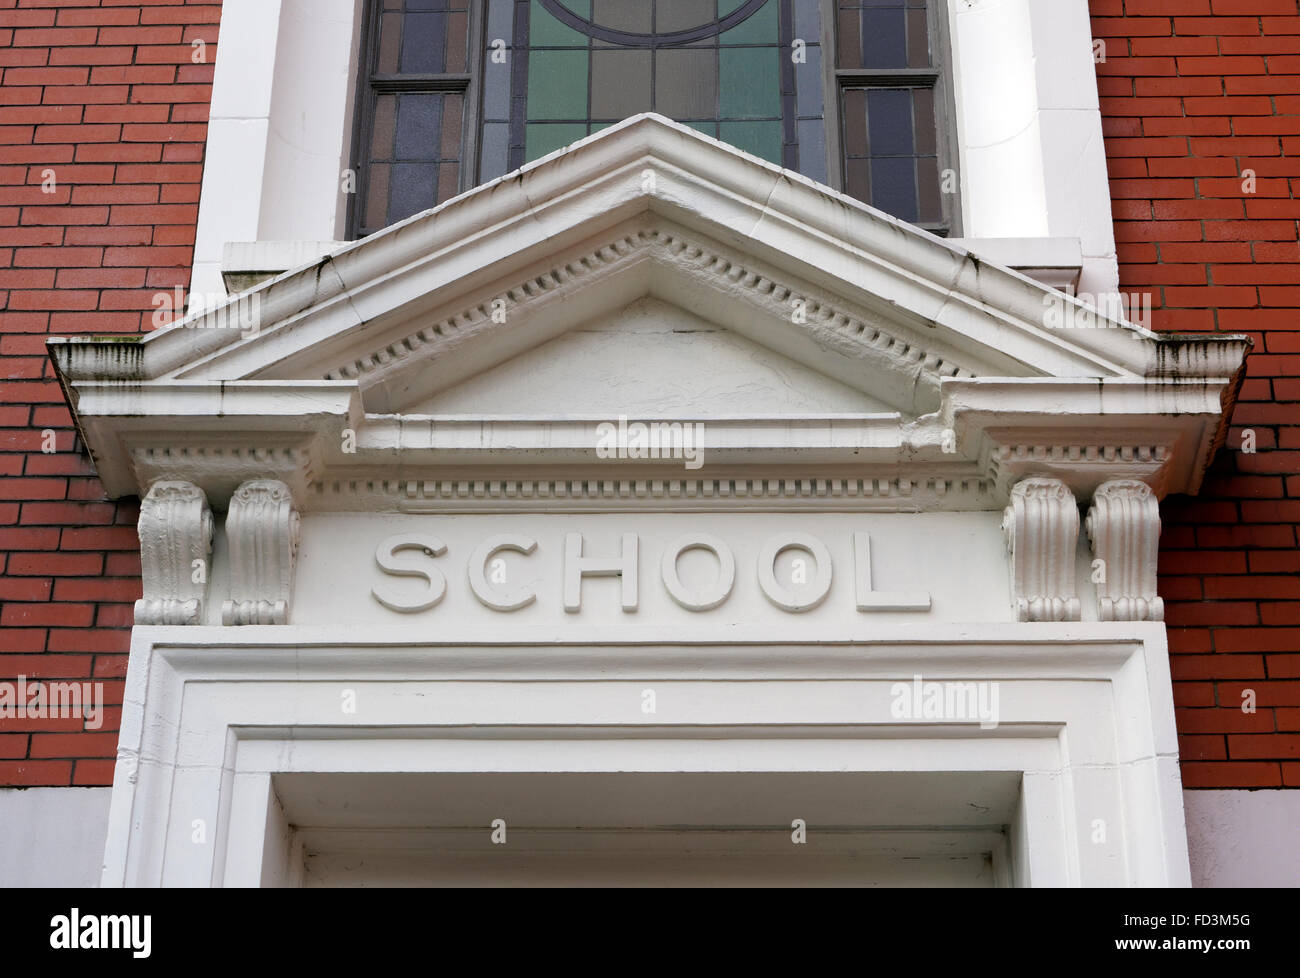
x=781, y=596
x=699, y=599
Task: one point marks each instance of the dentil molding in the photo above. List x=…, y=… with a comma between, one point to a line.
x=175, y=541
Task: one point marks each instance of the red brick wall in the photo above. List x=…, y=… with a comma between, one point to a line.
x=107, y=98
x=1193, y=94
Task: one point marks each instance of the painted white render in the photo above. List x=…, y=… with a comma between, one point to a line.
x=381, y=537
x=53, y=837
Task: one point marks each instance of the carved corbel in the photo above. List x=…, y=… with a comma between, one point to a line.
x=1041, y=525
x=263, y=530
x=1124, y=527
x=175, y=541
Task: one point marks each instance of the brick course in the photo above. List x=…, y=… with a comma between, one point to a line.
x=1194, y=93
x=105, y=98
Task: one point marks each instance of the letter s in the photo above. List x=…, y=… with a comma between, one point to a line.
x=386, y=556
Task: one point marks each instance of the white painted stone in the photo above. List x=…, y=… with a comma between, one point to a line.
x=650, y=359
x=818, y=707
x=1124, y=527
x=1042, y=530
x=263, y=530
x=496, y=593
x=1243, y=838
x=54, y=837
x=175, y=533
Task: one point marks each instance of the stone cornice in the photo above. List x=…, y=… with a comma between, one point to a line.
x=302, y=383
x=648, y=165
x=306, y=434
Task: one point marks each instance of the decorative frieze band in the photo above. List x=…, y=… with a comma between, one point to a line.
x=263, y=530
x=175, y=542
x=1042, y=531
x=705, y=259
x=1124, y=527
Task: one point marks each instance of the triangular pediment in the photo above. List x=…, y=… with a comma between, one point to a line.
x=648, y=359
x=520, y=298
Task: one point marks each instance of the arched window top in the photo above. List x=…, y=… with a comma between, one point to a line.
x=661, y=25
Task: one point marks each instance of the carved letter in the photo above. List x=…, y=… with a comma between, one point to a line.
x=869, y=600
x=387, y=559
x=781, y=596
x=175, y=531
x=499, y=598
x=1124, y=527
x=576, y=567
x=262, y=528
x=701, y=599
x=1042, y=531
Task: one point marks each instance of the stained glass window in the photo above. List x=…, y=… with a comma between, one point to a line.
x=457, y=92
x=729, y=68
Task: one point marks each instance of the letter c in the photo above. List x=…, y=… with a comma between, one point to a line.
x=498, y=598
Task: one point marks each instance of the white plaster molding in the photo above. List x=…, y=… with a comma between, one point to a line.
x=247, y=264
x=262, y=528
x=1042, y=531
x=1055, y=262
x=175, y=543
x=1124, y=528
x=984, y=389
x=206, y=707
x=595, y=185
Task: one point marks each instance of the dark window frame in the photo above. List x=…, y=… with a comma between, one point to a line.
x=838, y=79
x=371, y=84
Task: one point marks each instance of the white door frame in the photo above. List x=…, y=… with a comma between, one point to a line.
x=211, y=714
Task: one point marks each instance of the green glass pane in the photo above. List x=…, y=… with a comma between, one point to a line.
x=749, y=83
x=557, y=85
x=727, y=6
x=763, y=139
x=547, y=137
x=760, y=28
x=545, y=31
x=708, y=128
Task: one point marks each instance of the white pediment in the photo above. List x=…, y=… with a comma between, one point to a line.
x=649, y=359
x=487, y=331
